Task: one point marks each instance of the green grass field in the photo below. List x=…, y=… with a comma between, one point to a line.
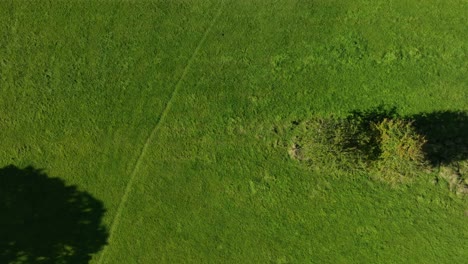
x=163, y=114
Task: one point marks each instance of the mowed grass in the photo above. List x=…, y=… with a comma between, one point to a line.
x=84, y=84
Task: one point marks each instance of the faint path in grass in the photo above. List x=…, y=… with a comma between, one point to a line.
x=149, y=139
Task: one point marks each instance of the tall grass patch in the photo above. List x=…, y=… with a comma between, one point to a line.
x=401, y=154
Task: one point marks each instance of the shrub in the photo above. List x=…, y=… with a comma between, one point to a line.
x=401, y=150
x=383, y=145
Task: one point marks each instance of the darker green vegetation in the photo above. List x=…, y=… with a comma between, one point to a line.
x=382, y=142
x=45, y=221
x=446, y=133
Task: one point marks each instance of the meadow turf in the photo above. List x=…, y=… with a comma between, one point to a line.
x=174, y=115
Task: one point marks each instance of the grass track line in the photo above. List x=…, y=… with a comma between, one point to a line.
x=150, y=137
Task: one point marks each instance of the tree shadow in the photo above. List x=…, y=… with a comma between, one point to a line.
x=44, y=221
x=446, y=133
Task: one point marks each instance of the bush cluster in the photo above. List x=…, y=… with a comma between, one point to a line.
x=381, y=143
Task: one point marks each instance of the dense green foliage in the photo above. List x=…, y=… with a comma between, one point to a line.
x=167, y=114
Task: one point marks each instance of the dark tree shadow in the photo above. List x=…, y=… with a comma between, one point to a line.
x=446, y=133
x=44, y=221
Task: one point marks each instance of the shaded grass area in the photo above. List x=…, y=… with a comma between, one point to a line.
x=446, y=133
x=83, y=84
x=45, y=221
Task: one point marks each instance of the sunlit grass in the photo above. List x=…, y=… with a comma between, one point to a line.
x=82, y=85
